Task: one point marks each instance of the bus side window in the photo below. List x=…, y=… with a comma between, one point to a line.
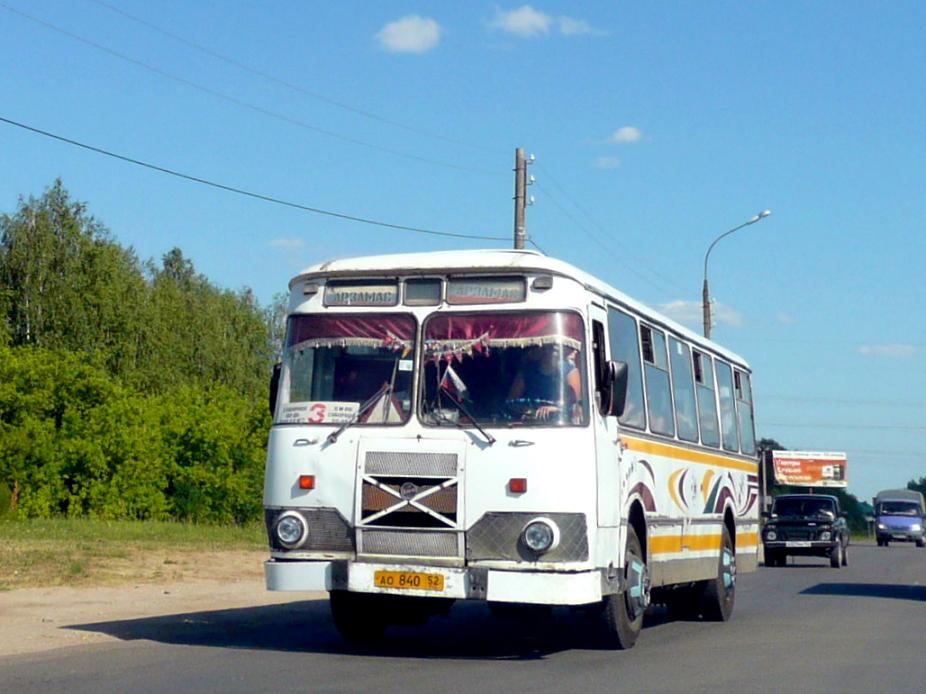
x=728, y=428
x=601, y=363
x=622, y=332
x=658, y=394
x=683, y=390
x=744, y=412
x=707, y=400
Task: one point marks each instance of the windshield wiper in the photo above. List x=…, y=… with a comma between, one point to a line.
x=459, y=405
x=364, y=408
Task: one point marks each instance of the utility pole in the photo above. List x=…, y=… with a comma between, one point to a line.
x=520, y=198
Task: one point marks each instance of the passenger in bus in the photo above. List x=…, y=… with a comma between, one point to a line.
x=550, y=376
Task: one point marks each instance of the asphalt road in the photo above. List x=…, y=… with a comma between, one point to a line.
x=804, y=627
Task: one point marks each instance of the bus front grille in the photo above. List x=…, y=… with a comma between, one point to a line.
x=410, y=490
x=409, y=544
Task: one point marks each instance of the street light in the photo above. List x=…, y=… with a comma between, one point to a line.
x=705, y=295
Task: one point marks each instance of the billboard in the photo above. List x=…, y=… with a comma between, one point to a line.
x=810, y=468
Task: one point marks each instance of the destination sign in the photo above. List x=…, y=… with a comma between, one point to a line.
x=361, y=294
x=486, y=290
x=318, y=412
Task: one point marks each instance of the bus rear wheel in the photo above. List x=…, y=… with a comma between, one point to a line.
x=720, y=593
x=623, y=612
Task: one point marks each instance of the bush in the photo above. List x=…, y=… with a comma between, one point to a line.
x=74, y=442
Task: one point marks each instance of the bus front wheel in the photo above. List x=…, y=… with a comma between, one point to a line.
x=623, y=612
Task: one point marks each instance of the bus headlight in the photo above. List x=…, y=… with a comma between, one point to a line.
x=916, y=527
x=882, y=526
x=290, y=529
x=771, y=535
x=540, y=535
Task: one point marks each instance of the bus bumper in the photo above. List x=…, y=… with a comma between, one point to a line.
x=531, y=587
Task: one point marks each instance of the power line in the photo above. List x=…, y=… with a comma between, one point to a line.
x=605, y=244
x=579, y=225
x=241, y=102
x=846, y=401
x=241, y=191
x=289, y=85
x=896, y=427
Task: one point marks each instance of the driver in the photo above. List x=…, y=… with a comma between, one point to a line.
x=544, y=372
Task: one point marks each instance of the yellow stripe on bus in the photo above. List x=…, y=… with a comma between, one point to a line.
x=670, y=544
x=644, y=446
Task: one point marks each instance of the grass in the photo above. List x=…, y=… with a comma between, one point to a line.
x=79, y=552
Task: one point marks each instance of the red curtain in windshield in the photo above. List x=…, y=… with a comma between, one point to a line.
x=467, y=332
x=386, y=330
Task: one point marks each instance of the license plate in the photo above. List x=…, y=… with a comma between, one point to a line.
x=409, y=580
x=900, y=536
x=797, y=543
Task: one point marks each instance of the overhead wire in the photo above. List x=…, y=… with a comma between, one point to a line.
x=286, y=83
x=579, y=225
x=241, y=102
x=241, y=191
x=607, y=245
x=847, y=401
x=813, y=425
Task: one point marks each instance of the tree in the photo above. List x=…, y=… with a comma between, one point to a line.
x=917, y=486
x=65, y=282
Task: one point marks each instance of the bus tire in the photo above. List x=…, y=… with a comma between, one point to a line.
x=623, y=612
x=359, y=617
x=720, y=592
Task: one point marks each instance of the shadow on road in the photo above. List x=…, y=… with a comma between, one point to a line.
x=869, y=590
x=469, y=632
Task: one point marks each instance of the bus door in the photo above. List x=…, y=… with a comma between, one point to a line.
x=607, y=440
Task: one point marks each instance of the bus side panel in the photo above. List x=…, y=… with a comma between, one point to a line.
x=686, y=494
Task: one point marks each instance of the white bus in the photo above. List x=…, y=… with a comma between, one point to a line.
x=501, y=426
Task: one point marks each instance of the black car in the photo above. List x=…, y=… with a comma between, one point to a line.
x=805, y=525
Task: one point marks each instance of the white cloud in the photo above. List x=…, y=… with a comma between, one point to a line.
x=785, y=318
x=691, y=313
x=411, y=34
x=286, y=243
x=607, y=163
x=688, y=312
x=890, y=351
x=721, y=313
x=625, y=135
x=527, y=22
x=574, y=27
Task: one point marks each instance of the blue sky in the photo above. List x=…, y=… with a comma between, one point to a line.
x=656, y=127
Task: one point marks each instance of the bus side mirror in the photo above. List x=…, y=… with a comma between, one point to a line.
x=617, y=387
x=274, y=386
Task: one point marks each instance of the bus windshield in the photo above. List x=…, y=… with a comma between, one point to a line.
x=333, y=365
x=504, y=369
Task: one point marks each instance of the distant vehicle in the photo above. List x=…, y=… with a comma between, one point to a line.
x=899, y=516
x=806, y=525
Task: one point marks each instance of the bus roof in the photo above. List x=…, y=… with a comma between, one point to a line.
x=492, y=261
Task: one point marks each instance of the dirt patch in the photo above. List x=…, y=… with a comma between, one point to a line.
x=170, y=582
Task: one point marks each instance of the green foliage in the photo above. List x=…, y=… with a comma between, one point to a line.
x=127, y=390
x=65, y=282
x=919, y=486
x=74, y=442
